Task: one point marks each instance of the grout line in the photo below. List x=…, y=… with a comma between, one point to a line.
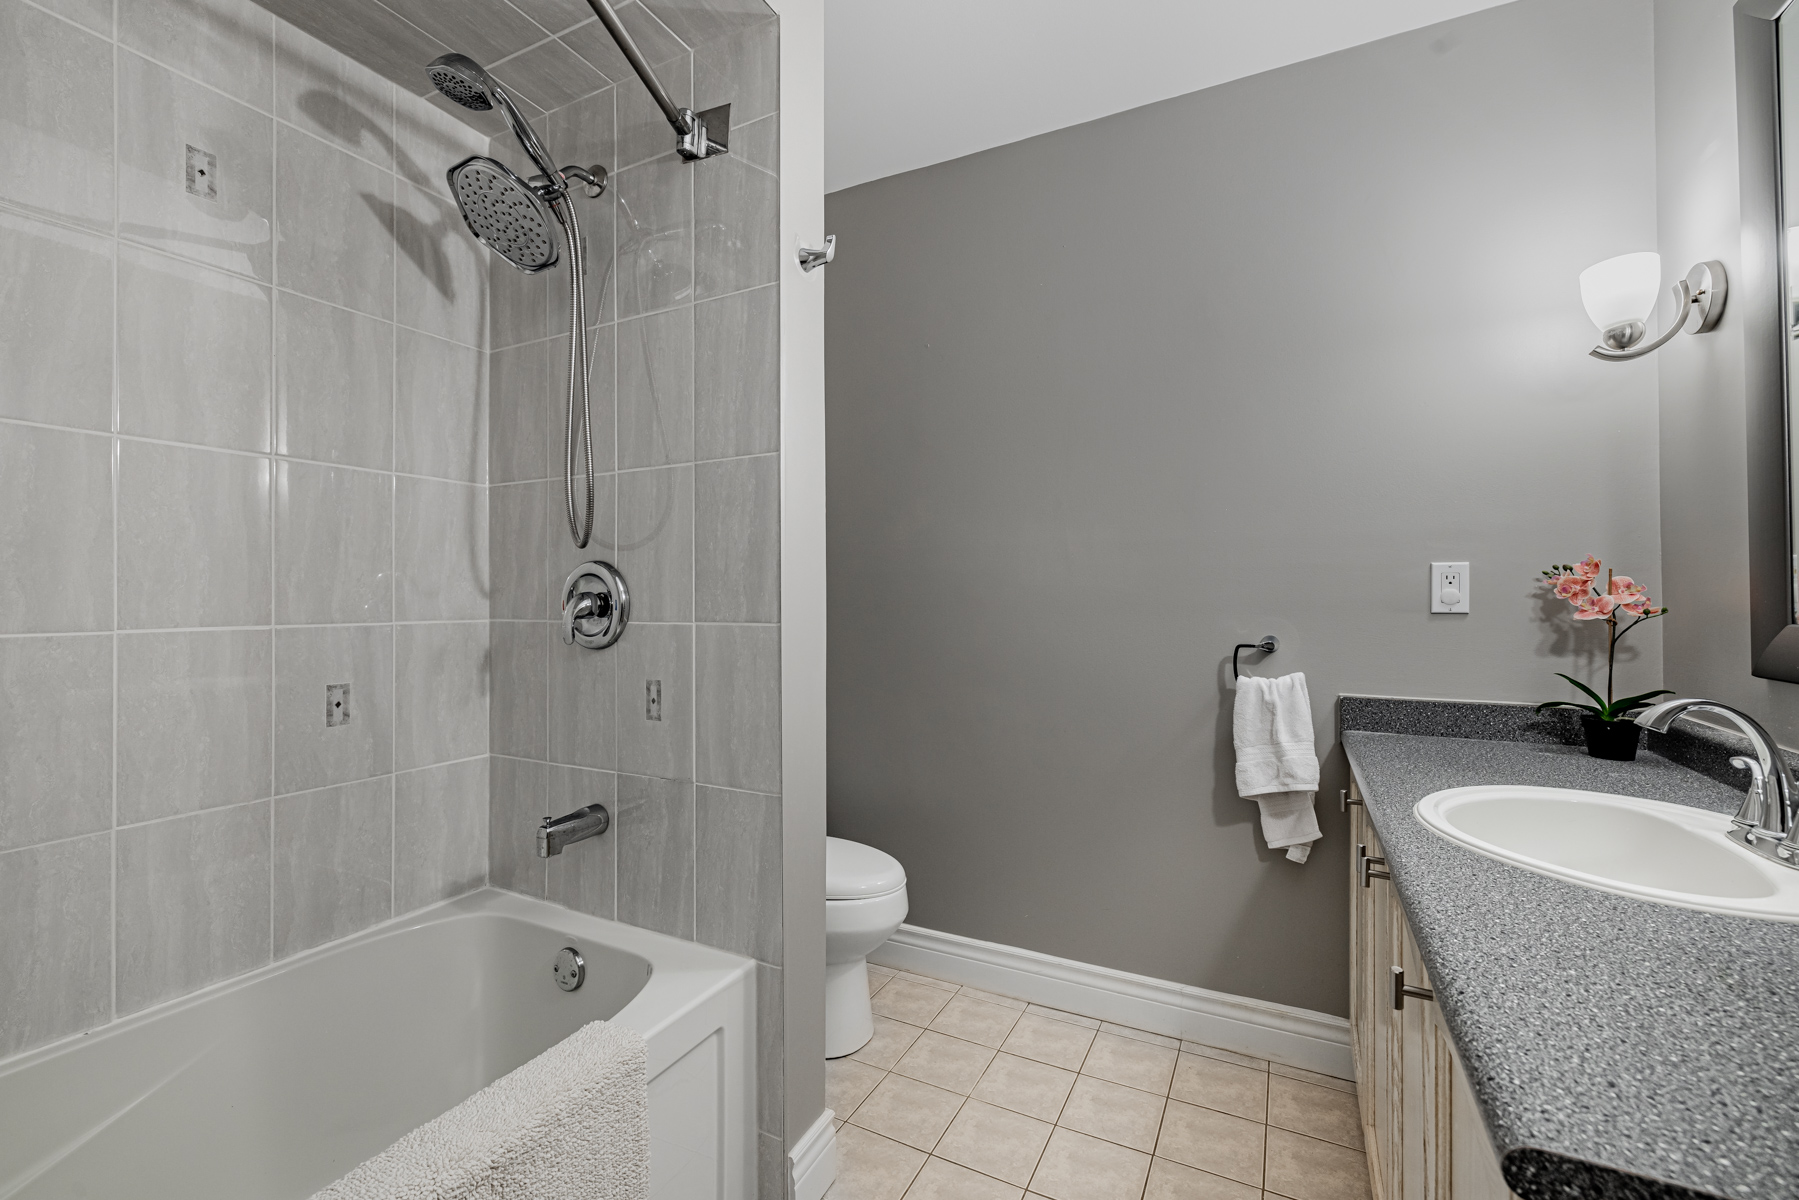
x=276, y=439
x=114, y=456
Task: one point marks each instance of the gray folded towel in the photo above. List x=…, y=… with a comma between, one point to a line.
x=571, y=1124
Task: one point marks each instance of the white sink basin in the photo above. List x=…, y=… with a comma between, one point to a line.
x=1667, y=853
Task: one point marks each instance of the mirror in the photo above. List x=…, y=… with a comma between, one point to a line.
x=1767, y=67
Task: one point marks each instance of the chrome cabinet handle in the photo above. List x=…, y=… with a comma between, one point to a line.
x=1366, y=862
x=1402, y=989
x=1344, y=800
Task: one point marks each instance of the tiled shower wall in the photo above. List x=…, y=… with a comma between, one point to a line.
x=685, y=401
x=242, y=457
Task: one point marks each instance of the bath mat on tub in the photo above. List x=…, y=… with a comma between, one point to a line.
x=571, y=1124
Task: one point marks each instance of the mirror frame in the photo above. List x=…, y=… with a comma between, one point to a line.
x=1759, y=287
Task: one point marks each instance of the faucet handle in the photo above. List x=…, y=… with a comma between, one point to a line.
x=1755, y=805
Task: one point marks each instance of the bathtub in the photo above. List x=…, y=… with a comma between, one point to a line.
x=272, y=1085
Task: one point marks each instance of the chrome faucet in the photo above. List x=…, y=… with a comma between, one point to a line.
x=1766, y=821
x=566, y=830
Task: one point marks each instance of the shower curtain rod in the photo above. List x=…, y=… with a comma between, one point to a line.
x=701, y=135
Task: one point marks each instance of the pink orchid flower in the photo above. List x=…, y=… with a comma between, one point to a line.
x=1572, y=587
x=1595, y=608
x=1587, y=568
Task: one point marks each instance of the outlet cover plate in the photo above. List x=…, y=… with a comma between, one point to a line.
x=1449, y=587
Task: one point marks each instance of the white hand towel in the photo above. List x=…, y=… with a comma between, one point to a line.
x=1277, y=766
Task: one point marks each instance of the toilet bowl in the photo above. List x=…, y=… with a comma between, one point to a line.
x=865, y=901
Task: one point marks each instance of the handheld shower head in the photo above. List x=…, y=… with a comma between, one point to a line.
x=462, y=79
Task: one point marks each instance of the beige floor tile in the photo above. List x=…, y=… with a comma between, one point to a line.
x=1329, y=1081
x=940, y=984
x=995, y=1141
x=1055, y=1042
x=1305, y=1168
x=1140, y=1035
x=1113, y=1112
x=906, y=1000
x=878, y=978
x=976, y=1021
x=907, y=1111
x=947, y=1062
x=1134, y=1064
x=847, y=1084
x=992, y=998
x=1078, y=1167
x=1172, y=1181
x=1229, y=1056
x=944, y=1180
x=1312, y=1109
x=1227, y=1087
x=871, y=1167
x=891, y=1040
x=1212, y=1141
x=1024, y=1085
x=1059, y=1015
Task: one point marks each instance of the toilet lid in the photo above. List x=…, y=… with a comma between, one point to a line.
x=853, y=871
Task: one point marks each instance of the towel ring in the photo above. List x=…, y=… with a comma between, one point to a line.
x=1268, y=645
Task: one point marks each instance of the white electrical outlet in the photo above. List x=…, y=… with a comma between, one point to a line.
x=1449, y=587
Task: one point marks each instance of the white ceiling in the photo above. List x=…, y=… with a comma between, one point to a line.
x=914, y=82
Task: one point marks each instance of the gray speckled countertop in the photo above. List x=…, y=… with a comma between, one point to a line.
x=1618, y=1048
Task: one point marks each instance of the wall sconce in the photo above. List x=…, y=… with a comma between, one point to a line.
x=1620, y=294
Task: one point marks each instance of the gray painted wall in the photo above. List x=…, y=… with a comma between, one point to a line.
x=1705, y=539
x=1107, y=401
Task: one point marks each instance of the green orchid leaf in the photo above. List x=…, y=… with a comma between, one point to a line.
x=1549, y=704
x=1619, y=708
x=1597, y=698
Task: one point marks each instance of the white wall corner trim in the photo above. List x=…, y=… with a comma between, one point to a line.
x=812, y=1162
x=1297, y=1037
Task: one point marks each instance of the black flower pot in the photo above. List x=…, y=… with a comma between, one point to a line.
x=1616, y=740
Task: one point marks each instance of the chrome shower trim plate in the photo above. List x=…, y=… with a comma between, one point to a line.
x=596, y=606
x=541, y=258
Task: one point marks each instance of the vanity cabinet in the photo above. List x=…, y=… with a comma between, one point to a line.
x=1423, y=1131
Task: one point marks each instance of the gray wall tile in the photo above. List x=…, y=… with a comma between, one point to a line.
x=333, y=863
x=743, y=70
x=193, y=353
x=661, y=748
x=737, y=670
x=56, y=941
x=485, y=32
x=739, y=871
x=379, y=37
x=522, y=396
x=550, y=75
x=521, y=303
x=653, y=38
x=309, y=755
x=563, y=556
x=228, y=43
x=440, y=833
x=517, y=706
x=737, y=539
x=192, y=902
x=517, y=807
x=440, y=550
x=57, y=85
x=655, y=854
x=333, y=544
x=585, y=875
x=334, y=384
x=160, y=114
x=655, y=542
x=440, y=408
x=519, y=522
x=194, y=721
x=56, y=515
x=193, y=537
x=56, y=751
x=643, y=132
x=771, y=1052
x=655, y=235
x=93, y=14
x=602, y=392
x=335, y=230
x=737, y=375
x=655, y=389
x=56, y=348
x=428, y=141
x=440, y=693
x=332, y=96
x=441, y=269
x=759, y=143
x=736, y=221
x=583, y=706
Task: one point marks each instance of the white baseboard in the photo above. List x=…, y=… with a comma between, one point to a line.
x=1297, y=1037
x=812, y=1163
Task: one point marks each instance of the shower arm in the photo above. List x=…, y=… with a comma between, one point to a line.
x=700, y=135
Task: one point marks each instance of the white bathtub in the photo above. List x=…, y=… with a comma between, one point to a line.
x=272, y=1085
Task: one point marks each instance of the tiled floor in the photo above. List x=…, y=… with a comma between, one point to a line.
x=964, y=1095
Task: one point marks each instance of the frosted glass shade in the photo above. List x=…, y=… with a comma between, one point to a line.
x=1622, y=289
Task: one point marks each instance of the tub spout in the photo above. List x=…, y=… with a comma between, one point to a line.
x=566, y=830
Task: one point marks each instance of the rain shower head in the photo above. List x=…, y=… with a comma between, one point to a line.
x=503, y=213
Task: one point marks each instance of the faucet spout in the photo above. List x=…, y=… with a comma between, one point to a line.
x=1767, y=815
x=558, y=832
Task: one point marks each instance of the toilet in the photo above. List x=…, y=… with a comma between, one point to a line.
x=865, y=901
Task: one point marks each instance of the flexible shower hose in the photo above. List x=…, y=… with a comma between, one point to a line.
x=581, y=529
